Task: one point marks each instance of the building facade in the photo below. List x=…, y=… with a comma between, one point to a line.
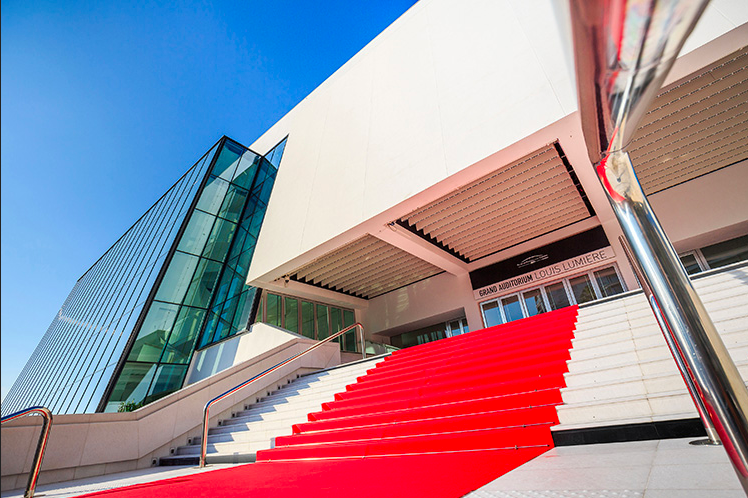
x=437, y=183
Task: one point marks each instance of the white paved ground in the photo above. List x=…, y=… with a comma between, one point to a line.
x=111, y=481
x=648, y=469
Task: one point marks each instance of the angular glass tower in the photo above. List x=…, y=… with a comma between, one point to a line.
x=173, y=283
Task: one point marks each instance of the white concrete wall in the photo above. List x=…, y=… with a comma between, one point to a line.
x=447, y=84
x=86, y=445
x=705, y=210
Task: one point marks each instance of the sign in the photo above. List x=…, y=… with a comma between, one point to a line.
x=550, y=254
x=545, y=273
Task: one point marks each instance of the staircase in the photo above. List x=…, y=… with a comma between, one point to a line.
x=239, y=438
x=487, y=396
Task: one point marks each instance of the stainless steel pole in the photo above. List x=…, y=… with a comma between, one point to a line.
x=711, y=432
x=623, y=51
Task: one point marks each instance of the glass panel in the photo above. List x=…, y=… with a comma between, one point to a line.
x=227, y=317
x=203, y=283
x=291, y=312
x=534, y=302
x=273, y=310
x=152, y=336
x=420, y=336
x=454, y=328
x=465, y=328
x=177, y=278
x=607, y=280
x=182, y=338
x=227, y=161
x=210, y=329
x=168, y=379
x=557, y=295
x=233, y=204
x=582, y=289
x=219, y=240
x=213, y=194
x=323, y=326
x=132, y=385
x=349, y=338
x=690, y=263
x=727, y=252
x=512, y=308
x=336, y=322
x=196, y=233
x=246, y=171
x=491, y=314
x=242, y=310
x=261, y=310
x=307, y=319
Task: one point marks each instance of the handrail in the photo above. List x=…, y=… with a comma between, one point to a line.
x=206, y=410
x=40, y=447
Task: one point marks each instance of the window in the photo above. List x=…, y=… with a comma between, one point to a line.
x=595, y=284
x=715, y=255
x=310, y=319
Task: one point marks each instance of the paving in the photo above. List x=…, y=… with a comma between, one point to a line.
x=646, y=469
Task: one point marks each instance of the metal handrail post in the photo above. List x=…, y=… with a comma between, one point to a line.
x=711, y=432
x=41, y=445
x=206, y=410
x=623, y=53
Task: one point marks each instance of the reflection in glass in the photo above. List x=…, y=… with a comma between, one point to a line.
x=273, y=310
x=182, y=339
x=132, y=385
x=307, y=319
x=727, y=252
x=323, y=326
x=534, y=302
x=291, y=311
x=212, y=197
x=246, y=171
x=690, y=263
x=491, y=314
x=512, y=308
x=152, y=336
x=220, y=239
x=227, y=161
x=233, y=204
x=168, y=379
x=582, y=289
x=557, y=295
x=203, y=283
x=177, y=278
x=607, y=281
x=349, y=338
x=196, y=233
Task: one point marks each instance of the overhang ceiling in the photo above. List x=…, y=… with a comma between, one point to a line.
x=530, y=197
x=694, y=127
x=366, y=267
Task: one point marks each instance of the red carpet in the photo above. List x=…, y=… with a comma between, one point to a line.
x=439, y=420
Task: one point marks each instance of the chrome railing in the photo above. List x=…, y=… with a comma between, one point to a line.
x=623, y=53
x=40, y=447
x=206, y=410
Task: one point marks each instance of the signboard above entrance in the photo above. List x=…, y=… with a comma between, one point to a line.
x=582, y=249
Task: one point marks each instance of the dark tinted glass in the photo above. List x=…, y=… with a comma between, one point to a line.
x=607, y=280
x=557, y=295
x=725, y=253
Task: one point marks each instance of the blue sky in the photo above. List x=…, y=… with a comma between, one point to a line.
x=106, y=104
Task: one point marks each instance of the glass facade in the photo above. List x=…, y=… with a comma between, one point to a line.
x=202, y=297
x=128, y=329
x=91, y=329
